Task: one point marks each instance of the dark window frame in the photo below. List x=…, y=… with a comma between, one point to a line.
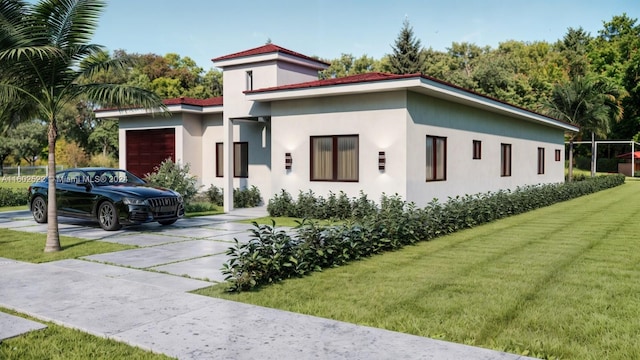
x=540, y=161
x=249, y=80
x=434, y=157
x=505, y=159
x=558, y=155
x=243, y=172
x=477, y=149
x=334, y=157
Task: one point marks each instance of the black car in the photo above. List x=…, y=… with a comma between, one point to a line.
x=113, y=197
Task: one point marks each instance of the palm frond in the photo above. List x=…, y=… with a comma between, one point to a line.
x=122, y=96
x=70, y=22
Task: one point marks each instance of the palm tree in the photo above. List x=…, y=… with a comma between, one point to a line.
x=588, y=102
x=47, y=62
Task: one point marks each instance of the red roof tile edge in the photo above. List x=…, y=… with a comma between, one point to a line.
x=378, y=76
x=267, y=49
x=214, y=101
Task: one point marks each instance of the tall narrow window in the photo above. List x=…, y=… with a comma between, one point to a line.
x=249, y=85
x=477, y=149
x=436, y=152
x=540, y=160
x=558, y=153
x=240, y=159
x=334, y=158
x=505, y=160
x=219, y=159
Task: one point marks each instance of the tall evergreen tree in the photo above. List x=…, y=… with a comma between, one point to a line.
x=407, y=57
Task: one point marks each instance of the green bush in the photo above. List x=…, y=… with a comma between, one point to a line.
x=272, y=256
x=242, y=198
x=214, y=195
x=13, y=197
x=176, y=177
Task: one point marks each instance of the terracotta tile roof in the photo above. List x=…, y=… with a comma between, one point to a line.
x=266, y=49
x=377, y=76
x=214, y=101
x=353, y=79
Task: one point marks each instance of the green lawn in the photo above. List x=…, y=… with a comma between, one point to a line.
x=58, y=342
x=559, y=282
x=25, y=246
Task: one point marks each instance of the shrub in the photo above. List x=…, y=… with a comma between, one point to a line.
x=281, y=205
x=242, y=198
x=100, y=160
x=13, y=197
x=174, y=176
x=214, y=195
x=273, y=255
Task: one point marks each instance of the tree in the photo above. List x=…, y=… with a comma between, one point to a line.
x=105, y=136
x=588, y=102
x=6, y=149
x=407, y=57
x=46, y=62
x=29, y=140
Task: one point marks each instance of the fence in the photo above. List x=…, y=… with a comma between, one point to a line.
x=28, y=170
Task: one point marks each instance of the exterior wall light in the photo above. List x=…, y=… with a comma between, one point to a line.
x=382, y=160
x=288, y=161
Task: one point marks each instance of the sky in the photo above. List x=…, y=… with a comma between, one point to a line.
x=205, y=29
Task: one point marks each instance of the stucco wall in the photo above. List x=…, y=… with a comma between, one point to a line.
x=258, y=137
x=461, y=125
x=377, y=118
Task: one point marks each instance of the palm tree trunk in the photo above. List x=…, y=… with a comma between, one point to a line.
x=53, y=236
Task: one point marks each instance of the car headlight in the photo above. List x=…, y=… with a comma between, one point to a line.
x=134, y=201
x=180, y=200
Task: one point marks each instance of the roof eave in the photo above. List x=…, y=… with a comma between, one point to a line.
x=177, y=108
x=415, y=84
x=273, y=56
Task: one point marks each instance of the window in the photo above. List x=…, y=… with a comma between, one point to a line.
x=334, y=158
x=249, y=85
x=436, y=158
x=558, y=153
x=505, y=159
x=477, y=149
x=240, y=159
x=540, y=160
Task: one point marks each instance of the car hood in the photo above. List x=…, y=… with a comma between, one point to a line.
x=140, y=191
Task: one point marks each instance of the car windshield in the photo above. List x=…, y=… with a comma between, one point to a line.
x=113, y=177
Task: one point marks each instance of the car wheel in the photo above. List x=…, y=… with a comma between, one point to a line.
x=167, y=222
x=108, y=216
x=39, y=210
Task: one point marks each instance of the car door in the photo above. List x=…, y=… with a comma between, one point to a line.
x=75, y=196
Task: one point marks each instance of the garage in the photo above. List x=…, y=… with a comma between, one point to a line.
x=146, y=149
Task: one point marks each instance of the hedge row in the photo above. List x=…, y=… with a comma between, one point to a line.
x=273, y=255
x=13, y=197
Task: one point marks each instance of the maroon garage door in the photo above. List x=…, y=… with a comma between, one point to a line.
x=146, y=149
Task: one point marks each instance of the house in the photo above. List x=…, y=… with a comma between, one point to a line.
x=278, y=127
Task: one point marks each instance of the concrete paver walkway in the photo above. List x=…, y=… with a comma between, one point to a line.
x=153, y=310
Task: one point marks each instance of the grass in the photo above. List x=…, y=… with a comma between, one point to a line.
x=559, y=282
x=29, y=247
x=58, y=342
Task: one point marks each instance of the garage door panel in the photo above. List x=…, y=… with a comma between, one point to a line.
x=146, y=149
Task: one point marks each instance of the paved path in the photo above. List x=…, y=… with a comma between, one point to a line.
x=153, y=310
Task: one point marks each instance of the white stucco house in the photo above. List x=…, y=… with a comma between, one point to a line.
x=279, y=127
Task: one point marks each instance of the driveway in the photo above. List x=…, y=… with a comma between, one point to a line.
x=140, y=297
